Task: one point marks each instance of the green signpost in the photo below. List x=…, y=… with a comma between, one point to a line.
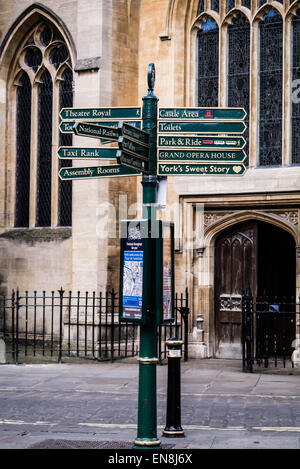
x=67, y=127
x=201, y=155
x=131, y=161
x=169, y=144
x=201, y=127
x=105, y=113
x=196, y=113
x=90, y=172
x=203, y=142
x=85, y=129
x=200, y=169
x=70, y=153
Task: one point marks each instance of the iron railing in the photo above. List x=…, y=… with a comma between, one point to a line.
x=270, y=331
x=82, y=325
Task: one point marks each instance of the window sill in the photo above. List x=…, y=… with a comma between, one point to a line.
x=40, y=235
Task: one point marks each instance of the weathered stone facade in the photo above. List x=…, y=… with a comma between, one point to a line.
x=110, y=45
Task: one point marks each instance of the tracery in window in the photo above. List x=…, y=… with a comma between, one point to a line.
x=295, y=105
x=44, y=63
x=238, y=71
x=208, y=64
x=270, y=89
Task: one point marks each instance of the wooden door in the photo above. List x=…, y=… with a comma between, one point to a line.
x=235, y=269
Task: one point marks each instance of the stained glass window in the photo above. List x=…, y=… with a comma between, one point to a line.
x=200, y=7
x=230, y=4
x=215, y=5
x=208, y=64
x=44, y=166
x=296, y=88
x=65, y=187
x=246, y=3
x=238, y=78
x=23, y=152
x=270, y=89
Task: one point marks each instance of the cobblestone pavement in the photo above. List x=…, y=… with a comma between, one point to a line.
x=221, y=407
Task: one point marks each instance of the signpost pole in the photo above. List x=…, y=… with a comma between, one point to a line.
x=147, y=408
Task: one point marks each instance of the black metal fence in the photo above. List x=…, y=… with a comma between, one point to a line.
x=85, y=325
x=270, y=331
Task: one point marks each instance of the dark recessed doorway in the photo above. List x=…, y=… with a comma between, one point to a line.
x=253, y=253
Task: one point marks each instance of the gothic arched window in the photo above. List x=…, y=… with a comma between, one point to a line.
x=270, y=89
x=238, y=65
x=43, y=77
x=208, y=64
x=295, y=114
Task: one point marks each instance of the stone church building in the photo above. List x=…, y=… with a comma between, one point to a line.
x=231, y=231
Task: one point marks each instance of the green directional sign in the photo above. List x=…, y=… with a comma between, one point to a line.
x=139, y=150
x=91, y=172
x=70, y=153
x=131, y=161
x=199, y=169
x=96, y=131
x=127, y=130
x=203, y=113
x=105, y=113
x=67, y=127
x=201, y=127
x=201, y=155
x=207, y=142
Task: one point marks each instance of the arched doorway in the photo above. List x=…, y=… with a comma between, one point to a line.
x=252, y=253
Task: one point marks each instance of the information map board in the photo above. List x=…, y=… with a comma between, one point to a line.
x=132, y=270
x=146, y=287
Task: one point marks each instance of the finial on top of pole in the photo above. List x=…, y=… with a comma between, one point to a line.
x=151, y=76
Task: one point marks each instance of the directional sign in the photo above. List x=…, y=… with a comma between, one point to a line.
x=127, y=130
x=115, y=113
x=203, y=113
x=96, y=131
x=67, y=127
x=217, y=169
x=201, y=127
x=90, y=172
x=70, y=153
x=207, y=142
x=139, y=150
x=201, y=155
x=131, y=161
